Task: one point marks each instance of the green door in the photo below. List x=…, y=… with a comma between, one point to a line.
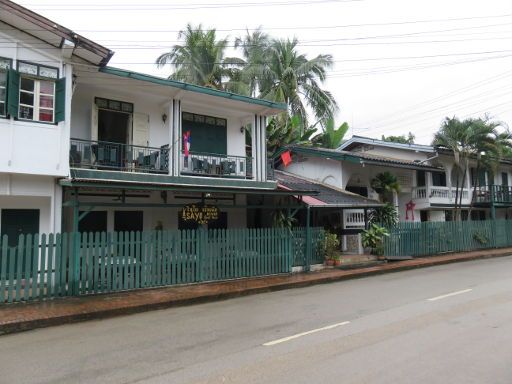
x=207, y=134
x=15, y=222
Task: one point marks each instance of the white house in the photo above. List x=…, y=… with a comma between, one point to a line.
x=84, y=146
x=427, y=176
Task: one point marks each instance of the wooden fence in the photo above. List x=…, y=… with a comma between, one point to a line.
x=432, y=238
x=41, y=267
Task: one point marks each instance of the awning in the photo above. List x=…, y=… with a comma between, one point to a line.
x=327, y=196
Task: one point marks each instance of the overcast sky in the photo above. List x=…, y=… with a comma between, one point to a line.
x=401, y=65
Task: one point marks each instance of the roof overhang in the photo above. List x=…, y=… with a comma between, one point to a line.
x=357, y=140
x=52, y=33
x=253, y=105
x=350, y=157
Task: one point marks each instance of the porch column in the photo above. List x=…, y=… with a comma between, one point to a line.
x=448, y=173
x=264, y=162
x=177, y=139
x=256, y=148
x=172, y=137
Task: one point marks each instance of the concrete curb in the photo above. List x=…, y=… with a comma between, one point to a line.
x=20, y=325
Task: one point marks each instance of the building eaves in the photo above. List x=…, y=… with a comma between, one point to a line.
x=41, y=24
x=357, y=158
x=356, y=140
x=327, y=196
x=191, y=87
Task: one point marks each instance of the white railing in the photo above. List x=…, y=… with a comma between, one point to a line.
x=439, y=194
x=353, y=219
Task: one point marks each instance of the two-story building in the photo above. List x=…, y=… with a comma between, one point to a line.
x=428, y=178
x=88, y=147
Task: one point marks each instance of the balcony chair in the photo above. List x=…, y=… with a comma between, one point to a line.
x=75, y=158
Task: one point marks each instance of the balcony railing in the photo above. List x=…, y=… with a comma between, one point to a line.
x=439, y=194
x=216, y=165
x=500, y=194
x=117, y=156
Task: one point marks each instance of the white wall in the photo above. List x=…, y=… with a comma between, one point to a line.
x=30, y=147
x=318, y=169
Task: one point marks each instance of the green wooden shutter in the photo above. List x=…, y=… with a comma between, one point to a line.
x=13, y=93
x=60, y=100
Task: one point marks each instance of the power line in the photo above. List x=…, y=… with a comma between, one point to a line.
x=160, y=7
x=301, y=27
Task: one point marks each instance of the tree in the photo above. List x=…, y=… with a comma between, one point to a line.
x=402, y=139
x=288, y=76
x=199, y=60
x=331, y=137
x=385, y=183
x=468, y=139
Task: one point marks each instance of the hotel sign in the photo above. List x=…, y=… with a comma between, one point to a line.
x=201, y=214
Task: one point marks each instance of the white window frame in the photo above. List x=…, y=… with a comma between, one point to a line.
x=7, y=63
x=37, y=100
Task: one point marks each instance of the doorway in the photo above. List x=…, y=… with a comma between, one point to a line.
x=113, y=126
x=16, y=222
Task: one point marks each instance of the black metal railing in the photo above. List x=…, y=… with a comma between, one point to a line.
x=94, y=154
x=493, y=194
x=216, y=165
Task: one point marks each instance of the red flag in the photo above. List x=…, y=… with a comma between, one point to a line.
x=286, y=157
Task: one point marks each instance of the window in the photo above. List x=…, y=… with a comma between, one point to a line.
x=208, y=134
x=5, y=65
x=504, y=178
x=37, y=92
x=439, y=179
x=37, y=99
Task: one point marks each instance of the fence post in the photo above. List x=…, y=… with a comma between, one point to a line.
x=201, y=245
x=307, y=255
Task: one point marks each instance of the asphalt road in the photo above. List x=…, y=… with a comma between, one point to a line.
x=449, y=324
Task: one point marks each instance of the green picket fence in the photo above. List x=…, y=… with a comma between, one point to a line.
x=43, y=266
x=432, y=238
x=299, y=246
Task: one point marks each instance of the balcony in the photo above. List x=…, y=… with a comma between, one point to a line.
x=494, y=194
x=216, y=165
x=426, y=196
x=104, y=155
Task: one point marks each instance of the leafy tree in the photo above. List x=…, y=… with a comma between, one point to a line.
x=290, y=77
x=331, y=137
x=385, y=215
x=402, y=139
x=200, y=59
x=469, y=139
x=385, y=183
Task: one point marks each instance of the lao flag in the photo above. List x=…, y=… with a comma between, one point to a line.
x=286, y=158
x=186, y=143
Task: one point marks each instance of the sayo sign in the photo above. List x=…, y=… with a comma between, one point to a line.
x=200, y=214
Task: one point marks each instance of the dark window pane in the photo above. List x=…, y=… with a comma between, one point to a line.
x=27, y=84
x=26, y=113
x=3, y=77
x=26, y=98
x=2, y=109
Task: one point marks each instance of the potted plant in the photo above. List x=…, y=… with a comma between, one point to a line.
x=373, y=238
x=331, y=244
x=337, y=260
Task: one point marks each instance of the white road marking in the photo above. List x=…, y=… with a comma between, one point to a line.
x=449, y=295
x=284, y=339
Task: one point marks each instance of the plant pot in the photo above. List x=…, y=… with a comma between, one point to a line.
x=329, y=262
x=337, y=263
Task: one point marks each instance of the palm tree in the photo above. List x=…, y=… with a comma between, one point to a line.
x=467, y=139
x=288, y=76
x=255, y=48
x=385, y=183
x=199, y=60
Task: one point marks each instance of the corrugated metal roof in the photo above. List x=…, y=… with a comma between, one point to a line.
x=327, y=196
